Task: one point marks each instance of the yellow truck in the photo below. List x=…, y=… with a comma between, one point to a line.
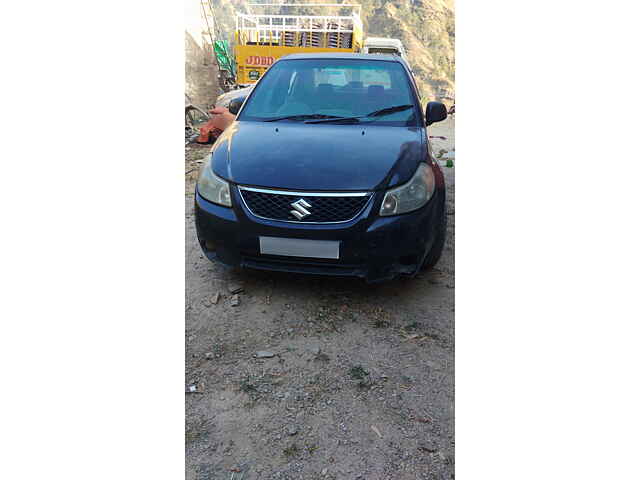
x=263, y=38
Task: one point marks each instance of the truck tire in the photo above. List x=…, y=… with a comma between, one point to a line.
x=438, y=245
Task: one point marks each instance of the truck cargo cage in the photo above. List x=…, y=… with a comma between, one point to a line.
x=297, y=30
x=262, y=37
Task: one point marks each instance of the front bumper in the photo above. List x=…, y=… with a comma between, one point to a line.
x=371, y=247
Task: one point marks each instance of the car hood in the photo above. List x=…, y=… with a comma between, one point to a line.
x=298, y=156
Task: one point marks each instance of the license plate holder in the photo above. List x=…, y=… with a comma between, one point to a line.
x=298, y=247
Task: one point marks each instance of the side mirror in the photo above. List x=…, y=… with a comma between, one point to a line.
x=435, y=112
x=235, y=104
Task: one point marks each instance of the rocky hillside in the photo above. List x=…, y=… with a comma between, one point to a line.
x=426, y=28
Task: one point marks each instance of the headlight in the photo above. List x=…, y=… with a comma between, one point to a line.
x=212, y=187
x=412, y=195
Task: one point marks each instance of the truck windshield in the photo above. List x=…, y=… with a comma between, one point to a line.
x=389, y=50
x=296, y=90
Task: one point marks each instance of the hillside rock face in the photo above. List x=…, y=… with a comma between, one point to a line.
x=425, y=27
x=427, y=30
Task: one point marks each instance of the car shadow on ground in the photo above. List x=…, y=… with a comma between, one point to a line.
x=302, y=285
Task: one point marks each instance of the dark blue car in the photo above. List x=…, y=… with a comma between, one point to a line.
x=326, y=170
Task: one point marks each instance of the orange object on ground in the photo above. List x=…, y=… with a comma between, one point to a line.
x=219, y=121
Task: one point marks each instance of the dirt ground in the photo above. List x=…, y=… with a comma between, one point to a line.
x=361, y=381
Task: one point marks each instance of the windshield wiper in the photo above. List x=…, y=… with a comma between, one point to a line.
x=336, y=119
x=389, y=110
x=301, y=117
x=375, y=113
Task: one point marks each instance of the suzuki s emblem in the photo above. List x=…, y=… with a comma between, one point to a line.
x=300, y=209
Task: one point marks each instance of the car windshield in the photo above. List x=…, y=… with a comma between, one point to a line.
x=299, y=90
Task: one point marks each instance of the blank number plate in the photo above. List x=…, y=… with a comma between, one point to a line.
x=295, y=247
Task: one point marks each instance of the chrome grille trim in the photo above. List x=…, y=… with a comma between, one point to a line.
x=306, y=194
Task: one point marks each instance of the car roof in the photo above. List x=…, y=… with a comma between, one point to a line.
x=343, y=56
x=224, y=99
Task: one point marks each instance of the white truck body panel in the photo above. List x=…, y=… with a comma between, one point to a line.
x=384, y=45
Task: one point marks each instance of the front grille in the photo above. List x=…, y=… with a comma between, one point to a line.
x=323, y=209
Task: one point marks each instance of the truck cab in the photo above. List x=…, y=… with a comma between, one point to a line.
x=388, y=46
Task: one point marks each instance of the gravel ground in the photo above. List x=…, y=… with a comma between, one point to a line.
x=357, y=380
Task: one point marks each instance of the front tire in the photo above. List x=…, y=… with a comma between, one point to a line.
x=438, y=245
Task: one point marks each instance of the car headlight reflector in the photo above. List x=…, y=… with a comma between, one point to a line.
x=412, y=195
x=212, y=187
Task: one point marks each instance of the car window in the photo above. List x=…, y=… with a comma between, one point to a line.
x=343, y=88
x=336, y=76
x=377, y=77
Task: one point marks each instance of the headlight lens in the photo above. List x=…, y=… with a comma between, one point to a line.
x=412, y=195
x=212, y=187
